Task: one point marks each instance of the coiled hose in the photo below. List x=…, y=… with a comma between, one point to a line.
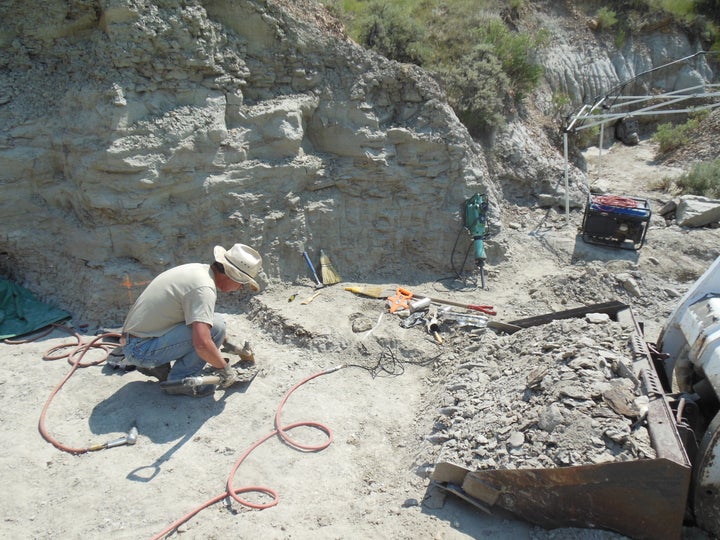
x=78, y=350
x=282, y=432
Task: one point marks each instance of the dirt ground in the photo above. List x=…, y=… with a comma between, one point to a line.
x=372, y=480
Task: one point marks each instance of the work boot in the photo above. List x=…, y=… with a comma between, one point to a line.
x=116, y=360
x=160, y=372
x=193, y=391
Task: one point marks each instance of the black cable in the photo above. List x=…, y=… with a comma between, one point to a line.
x=458, y=274
x=389, y=365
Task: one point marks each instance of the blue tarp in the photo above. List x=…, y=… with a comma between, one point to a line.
x=21, y=313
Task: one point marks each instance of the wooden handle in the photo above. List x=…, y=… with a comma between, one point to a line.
x=401, y=292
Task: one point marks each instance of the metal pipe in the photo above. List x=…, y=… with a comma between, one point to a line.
x=130, y=438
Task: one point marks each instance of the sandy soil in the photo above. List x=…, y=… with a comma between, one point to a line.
x=372, y=479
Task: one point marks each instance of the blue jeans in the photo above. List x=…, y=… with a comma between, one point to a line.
x=174, y=345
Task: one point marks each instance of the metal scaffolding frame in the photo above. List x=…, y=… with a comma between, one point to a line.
x=614, y=106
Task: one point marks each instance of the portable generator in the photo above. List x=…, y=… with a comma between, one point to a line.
x=616, y=221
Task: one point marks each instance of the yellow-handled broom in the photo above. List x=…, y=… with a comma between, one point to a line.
x=329, y=274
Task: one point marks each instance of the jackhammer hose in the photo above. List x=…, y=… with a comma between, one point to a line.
x=280, y=431
x=78, y=350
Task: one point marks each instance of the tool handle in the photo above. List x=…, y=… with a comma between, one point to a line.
x=198, y=380
x=312, y=267
x=485, y=309
x=409, y=294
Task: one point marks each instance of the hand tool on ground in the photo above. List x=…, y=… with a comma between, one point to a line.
x=475, y=307
x=432, y=324
x=400, y=300
x=476, y=224
x=246, y=353
x=420, y=304
x=464, y=319
x=327, y=270
x=312, y=268
x=129, y=438
x=380, y=291
x=310, y=298
x=373, y=291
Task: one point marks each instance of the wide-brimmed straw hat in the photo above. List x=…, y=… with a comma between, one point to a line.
x=242, y=264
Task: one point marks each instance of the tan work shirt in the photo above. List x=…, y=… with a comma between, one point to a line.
x=184, y=294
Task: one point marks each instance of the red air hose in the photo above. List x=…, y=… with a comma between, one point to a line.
x=78, y=350
x=280, y=431
x=616, y=201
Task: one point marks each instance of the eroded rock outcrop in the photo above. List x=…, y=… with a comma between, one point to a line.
x=137, y=136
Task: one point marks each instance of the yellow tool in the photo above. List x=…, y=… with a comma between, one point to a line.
x=310, y=299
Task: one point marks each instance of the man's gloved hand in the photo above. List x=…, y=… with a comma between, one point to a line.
x=228, y=376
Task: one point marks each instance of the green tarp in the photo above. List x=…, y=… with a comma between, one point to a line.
x=21, y=313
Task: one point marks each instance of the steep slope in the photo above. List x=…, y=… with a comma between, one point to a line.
x=138, y=136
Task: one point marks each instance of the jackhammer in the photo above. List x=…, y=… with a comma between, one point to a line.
x=476, y=224
x=243, y=375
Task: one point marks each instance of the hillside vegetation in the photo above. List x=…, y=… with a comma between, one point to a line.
x=485, y=52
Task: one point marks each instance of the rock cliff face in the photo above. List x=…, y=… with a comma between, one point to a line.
x=136, y=135
x=585, y=64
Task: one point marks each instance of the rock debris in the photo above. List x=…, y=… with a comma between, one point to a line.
x=554, y=395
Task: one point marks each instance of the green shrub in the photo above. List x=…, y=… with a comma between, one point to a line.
x=606, y=18
x=666, y=184
x=561, y=105
x=588, y=137
x=620, y=38
x=389, y=30
x=671, y=136
x=514, y=50
x=702, y=179
x=678, y=8
x=482, y=64
x=475, y=87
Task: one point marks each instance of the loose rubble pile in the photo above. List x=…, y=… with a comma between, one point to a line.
x=555, y=395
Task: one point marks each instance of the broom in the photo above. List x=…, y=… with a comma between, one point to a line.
x=329, y=274
x=373, y=291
